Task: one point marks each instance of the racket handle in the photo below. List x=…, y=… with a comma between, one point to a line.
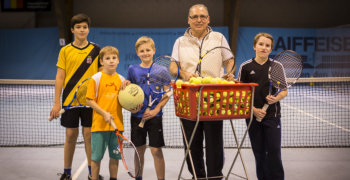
x=142, y=123
x=264, y=108
x=113, y=125
x=59, y=113
x=170, y=93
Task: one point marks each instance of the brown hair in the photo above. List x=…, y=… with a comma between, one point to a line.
x=108, y=50
x=144, y=40
x=267, y=35
x=79, y=18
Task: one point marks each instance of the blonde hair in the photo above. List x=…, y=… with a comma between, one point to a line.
x=108, y=50
x=267, y=35
x=144, y=40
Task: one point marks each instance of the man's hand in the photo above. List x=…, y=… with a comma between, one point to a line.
x=229, y=77
x=187, y=75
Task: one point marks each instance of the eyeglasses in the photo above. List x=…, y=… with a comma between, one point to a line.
x=202, y=17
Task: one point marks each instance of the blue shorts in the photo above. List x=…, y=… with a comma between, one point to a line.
x=100, y=141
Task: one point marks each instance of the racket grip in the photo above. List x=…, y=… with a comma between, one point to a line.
x=264, y=108
x=113, y=125
x=59, y=113
x=142, y=123
x=170, y=93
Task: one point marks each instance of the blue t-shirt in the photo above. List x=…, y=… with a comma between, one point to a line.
x=138, y=75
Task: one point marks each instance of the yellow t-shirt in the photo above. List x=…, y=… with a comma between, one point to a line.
x=104, y=89
x=72, y=58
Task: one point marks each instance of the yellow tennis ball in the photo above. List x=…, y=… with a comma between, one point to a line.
x=231, y=93
x=223, y=112
x=131, y=96
x=206, y=80
x=197, y=81
x=205, y=94
x=179, y=83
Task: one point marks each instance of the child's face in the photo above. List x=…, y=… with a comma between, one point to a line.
x=145, y=52
x=263, y=47
x=110, y=62
x=81, y=31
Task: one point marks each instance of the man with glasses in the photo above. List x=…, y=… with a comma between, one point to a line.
x=199, y=38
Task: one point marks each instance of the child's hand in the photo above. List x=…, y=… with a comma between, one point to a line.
x=108, y=117
x=259, y=113
x=271, y=99
x=124, y=84
x=150, y=114
x=136, y=109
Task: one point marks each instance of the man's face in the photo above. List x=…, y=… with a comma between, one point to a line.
x=198, y=19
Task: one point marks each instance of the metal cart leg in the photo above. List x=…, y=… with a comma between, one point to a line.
x=243, y=138
x=239, y=152
x=188, y=153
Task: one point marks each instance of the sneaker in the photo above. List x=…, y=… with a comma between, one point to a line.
x=64, y=176
x=99, y=177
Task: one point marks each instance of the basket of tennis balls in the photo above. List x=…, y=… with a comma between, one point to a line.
x=217, y=98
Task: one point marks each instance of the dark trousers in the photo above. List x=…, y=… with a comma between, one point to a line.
x=212, y=132
x=265, y=138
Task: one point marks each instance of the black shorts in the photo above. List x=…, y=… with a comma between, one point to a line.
x=153, y=127
x=70, y=118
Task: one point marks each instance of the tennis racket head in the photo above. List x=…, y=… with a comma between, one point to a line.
x=205, y=66
x=159, y=74
x=130, y=158
x=288, y=64
x=81, y=92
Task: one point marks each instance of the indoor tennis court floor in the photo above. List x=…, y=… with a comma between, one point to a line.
x=299, y=164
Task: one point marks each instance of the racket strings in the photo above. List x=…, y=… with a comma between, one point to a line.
x=207, y=68
x=159, y=72
x=81, y=93
x=292, y=65
x=278, y=77
x=131, y=158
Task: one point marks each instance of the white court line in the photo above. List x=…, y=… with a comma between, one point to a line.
x=318, y=118
x=80, y=169
x=328, y=102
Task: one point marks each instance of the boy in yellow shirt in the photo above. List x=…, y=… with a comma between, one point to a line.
x=102, y=96
x=77, y=61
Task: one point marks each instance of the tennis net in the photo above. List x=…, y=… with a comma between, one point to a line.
x=314, y=114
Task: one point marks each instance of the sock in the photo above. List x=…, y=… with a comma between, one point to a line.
x=138, y=178
x=89, y=167
x=68, y=171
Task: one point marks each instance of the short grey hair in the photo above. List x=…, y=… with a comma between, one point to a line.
x=198, y=5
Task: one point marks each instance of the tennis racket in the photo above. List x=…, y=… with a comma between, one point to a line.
x=79, y=97
x=285, y=65
x=129, y=154
x=158, y=81
x=205, y=60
